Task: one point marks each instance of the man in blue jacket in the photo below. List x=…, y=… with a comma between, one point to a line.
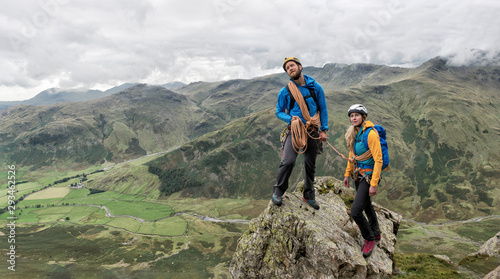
x=288, y=110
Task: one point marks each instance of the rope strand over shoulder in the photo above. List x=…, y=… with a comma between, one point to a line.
x=365, y=156
x=297, y=128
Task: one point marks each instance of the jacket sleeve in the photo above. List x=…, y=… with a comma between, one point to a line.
x=282, y=105
x=376, y=149
x=322, y=106
x=350, y=167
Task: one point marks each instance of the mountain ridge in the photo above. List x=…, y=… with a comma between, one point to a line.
x=59, y=95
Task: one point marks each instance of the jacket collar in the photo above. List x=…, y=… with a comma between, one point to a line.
x=309, y=82
x=368, y=124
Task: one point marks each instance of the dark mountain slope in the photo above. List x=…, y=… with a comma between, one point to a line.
x=232, y=162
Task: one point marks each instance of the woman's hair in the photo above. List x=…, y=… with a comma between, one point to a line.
x=350, y=136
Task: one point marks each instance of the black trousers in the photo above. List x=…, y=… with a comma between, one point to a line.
x=362, y=202
x=288, y=162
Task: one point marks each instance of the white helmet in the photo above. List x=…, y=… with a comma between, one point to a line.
x=359, y=108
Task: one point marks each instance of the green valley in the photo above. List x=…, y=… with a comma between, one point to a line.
x=113, y=233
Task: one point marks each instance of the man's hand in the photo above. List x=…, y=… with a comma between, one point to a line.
x=346, y=182
x=322, y=136
x=295, y=118
x=373, y=191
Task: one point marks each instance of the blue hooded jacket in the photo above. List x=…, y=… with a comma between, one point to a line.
x=284, y=102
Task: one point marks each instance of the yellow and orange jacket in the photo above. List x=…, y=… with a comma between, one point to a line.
x=376, y=150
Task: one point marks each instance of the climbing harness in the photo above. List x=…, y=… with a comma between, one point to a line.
x=362, y=172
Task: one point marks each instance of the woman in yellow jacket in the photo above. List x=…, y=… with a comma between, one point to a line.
x=366, y=172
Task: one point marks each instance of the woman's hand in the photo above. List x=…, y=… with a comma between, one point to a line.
x=322, y=136
x=373, y=191
x=346, y=182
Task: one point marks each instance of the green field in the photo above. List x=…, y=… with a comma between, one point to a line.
x=21, y=190
x=50, y=193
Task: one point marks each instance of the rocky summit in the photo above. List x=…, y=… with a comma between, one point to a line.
x=296, y=241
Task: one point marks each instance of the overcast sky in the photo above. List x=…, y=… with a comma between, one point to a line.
x=101, y=44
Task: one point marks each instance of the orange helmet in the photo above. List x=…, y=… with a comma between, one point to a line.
x=288, y=59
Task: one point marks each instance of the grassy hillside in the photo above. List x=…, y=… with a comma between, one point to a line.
x=449, y=153
x=236, y=161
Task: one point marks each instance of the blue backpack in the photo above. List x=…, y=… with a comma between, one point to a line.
x=383, y=144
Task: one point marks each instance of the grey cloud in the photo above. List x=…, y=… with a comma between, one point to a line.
x=72, y=43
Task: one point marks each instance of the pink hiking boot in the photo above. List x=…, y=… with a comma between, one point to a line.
x=368, y=248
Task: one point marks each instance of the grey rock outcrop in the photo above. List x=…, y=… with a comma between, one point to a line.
x=491, y=247
x=296, y=241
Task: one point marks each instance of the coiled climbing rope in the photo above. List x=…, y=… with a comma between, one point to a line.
x=299, y=131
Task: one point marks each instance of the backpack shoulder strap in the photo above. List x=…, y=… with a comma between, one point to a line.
x=365, y=137
x=312, y=92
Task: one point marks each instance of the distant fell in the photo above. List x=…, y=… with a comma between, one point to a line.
x=57, y=95
x=119, y=88
x=173, y=85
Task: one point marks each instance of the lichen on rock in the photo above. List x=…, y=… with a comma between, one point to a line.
x=296, y=241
